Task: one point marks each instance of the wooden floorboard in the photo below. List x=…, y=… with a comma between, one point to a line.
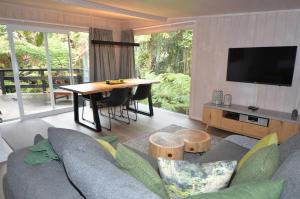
x=162, y=118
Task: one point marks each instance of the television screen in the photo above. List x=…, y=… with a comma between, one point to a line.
x=262, y=65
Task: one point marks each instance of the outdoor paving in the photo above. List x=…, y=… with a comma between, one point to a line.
x=33, y=103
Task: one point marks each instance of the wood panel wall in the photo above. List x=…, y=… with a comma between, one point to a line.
x=212, y=38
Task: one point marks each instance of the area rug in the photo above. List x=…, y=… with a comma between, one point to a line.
x=141, y=143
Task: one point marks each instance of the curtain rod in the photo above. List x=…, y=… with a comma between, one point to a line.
x=115, y=43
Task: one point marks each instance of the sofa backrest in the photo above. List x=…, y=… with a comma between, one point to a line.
x=289, y=168
x=91, y=169
x=289, y=146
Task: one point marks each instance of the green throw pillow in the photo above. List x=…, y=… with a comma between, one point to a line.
x=260, y=166
x=140, y=169
x=258, y=190
x=185, y=179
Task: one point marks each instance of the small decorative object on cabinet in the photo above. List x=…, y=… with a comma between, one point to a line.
x=227, y=100
x=217, y=97
x=294, y=114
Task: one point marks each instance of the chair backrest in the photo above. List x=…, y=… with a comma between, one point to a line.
x=142, y=92
x=118, y=96
x=99, y=96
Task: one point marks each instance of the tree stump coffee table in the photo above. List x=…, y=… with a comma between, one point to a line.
x=166, y=145
x=195, y=141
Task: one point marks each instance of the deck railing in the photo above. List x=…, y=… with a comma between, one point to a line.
x=38, y=78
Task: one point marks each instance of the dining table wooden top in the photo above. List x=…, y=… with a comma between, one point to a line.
x=97, y=87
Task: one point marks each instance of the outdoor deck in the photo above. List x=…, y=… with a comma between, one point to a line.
x=33, y=103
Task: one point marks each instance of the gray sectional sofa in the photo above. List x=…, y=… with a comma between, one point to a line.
x=87, y=171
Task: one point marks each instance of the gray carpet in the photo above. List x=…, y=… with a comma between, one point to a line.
x=21, y=134
x=142, y=144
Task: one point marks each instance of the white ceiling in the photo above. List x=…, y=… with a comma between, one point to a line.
x=159, y=8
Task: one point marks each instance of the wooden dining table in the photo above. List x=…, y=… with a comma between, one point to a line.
x=95, y=88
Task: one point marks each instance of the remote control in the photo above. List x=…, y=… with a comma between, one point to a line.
x=253, y=108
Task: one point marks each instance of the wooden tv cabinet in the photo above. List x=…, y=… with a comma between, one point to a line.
x=279, y=122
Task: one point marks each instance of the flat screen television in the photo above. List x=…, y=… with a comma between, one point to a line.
x=262, y=65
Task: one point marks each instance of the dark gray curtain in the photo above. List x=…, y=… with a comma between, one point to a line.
x=127, y=65
x=102, y=57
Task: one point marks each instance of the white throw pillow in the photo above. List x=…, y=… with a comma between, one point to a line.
x=185, y=179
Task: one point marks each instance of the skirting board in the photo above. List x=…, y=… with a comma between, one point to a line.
x=195, y=118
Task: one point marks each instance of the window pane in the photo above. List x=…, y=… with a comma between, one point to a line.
x=167, y=57
x=79, y=42
x=60, y=68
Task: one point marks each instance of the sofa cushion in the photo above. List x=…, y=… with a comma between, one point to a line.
x=149, y=158
x=47, y=181
x=260, y=166
x=264, y=142
x=107, y=147
x=289, y=146
x=37, y=138
x=261, y=190
x=98, y=178
x=70, y=140
x=135, y=166
x=289, y=170
x=224, y=150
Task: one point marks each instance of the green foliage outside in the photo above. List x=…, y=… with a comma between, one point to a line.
x=164, y=56
x=167, y=57
x=31, y=54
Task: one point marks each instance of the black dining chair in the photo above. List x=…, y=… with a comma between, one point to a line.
x=142, y=92
x=118, y=97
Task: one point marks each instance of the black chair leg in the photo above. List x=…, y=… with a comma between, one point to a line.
x=82, y=114
x=128, y=118
x=135, y=103
x=109, y=116
x=121, y=115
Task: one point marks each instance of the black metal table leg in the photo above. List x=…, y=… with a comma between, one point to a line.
x=97, y=126
x=95, y=112
x=76, y=107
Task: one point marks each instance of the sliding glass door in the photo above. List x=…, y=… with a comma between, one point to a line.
x=42, y=60
x=8, y=97
x=30, y=54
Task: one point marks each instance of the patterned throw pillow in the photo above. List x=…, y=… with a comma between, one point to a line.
x=184, y=179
